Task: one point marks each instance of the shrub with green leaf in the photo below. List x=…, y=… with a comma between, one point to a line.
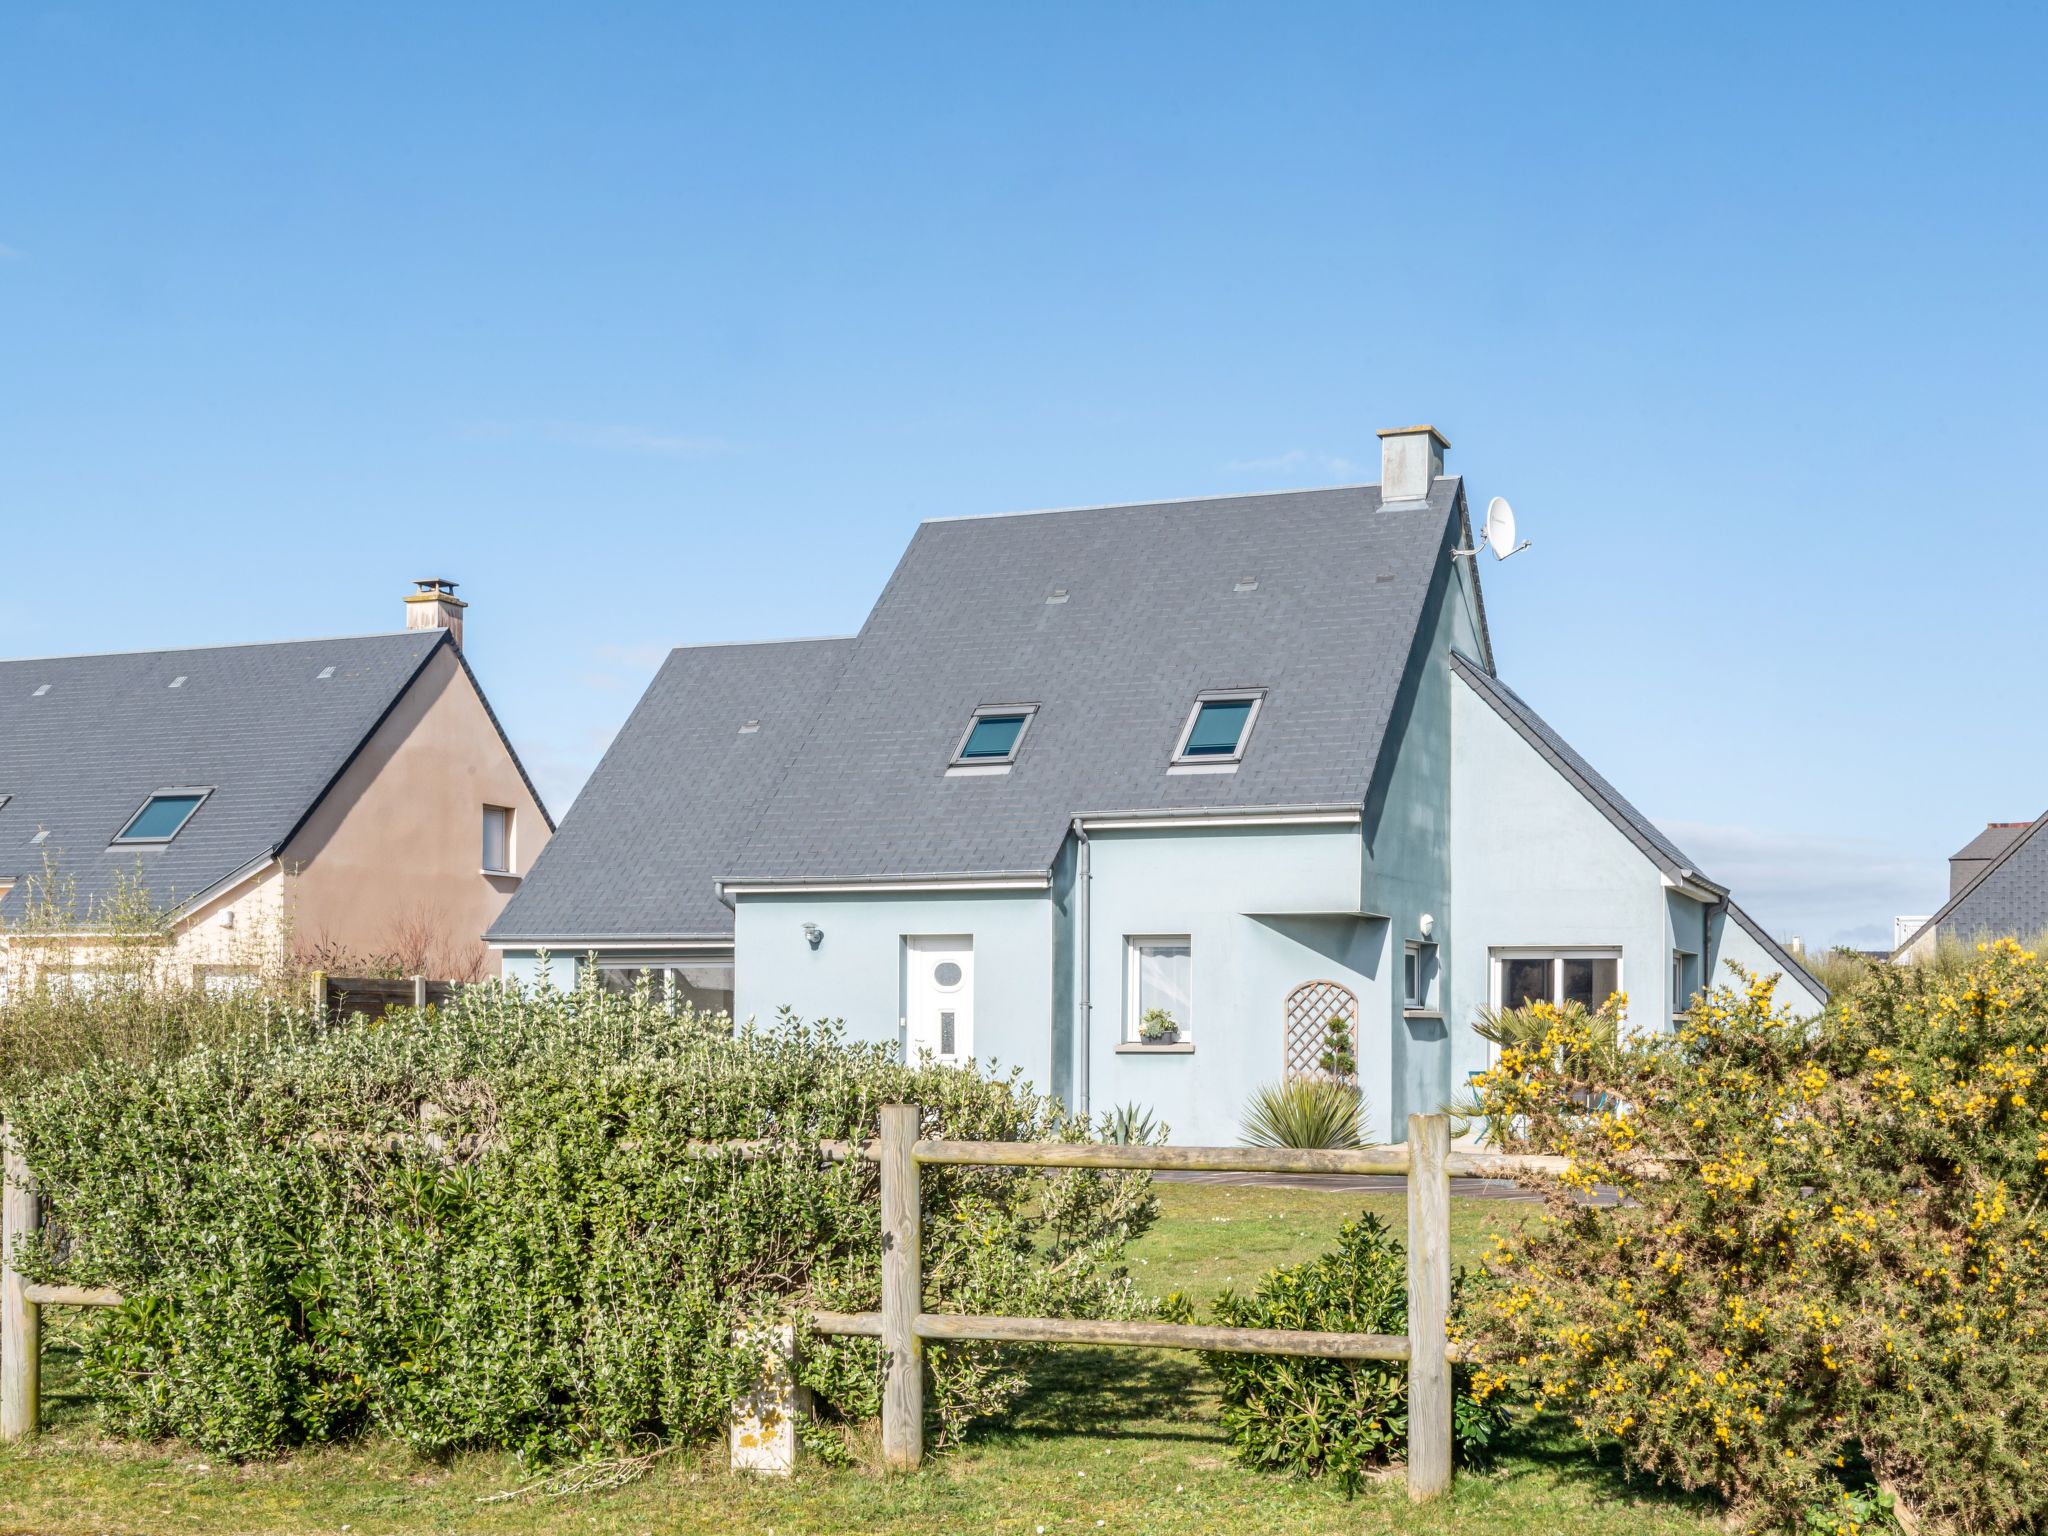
x=495, y=1225
x=1305, y=1113
x=1830, y=1275
x=1330, y=1418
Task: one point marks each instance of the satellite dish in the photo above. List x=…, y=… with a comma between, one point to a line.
x=1499, y=531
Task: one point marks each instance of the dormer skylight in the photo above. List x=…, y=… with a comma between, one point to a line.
x=40, y=691
x=1218, y=728
x=163, y=816
x=325, y=673
x=994, y=733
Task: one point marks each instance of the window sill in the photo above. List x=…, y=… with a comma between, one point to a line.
x=975, y=770
x=500, y=874
x=1197, y=766
x=1422, y=1013
x=1139, y=1048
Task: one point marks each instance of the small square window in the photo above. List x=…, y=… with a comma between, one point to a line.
x=994, y=733
x=497, y=840
x=1218, y=728
x=163, y=816
x=1159, y=990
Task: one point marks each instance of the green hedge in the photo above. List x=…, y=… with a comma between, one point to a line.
x=478, y=1227
x=1829, y=1280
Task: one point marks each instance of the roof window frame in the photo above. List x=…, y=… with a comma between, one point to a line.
x=121, y=839
x=961, y=764
x=1217, y=762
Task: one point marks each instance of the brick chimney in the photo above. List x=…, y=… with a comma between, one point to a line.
x=1410, y=458
x=435, y=606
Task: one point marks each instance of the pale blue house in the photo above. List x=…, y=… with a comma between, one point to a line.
x=1138, y=798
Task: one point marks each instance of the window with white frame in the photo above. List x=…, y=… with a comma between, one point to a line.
x=497, y=840
x=1587, y=977
x=1218, y=729
x=1418, y=977
x=1159, y=989
x=1682, y=984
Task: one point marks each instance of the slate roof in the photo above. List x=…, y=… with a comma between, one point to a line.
x=1604, y=797
x=1632, y=823
x=1992, y=841
x=2009, y=896
x=1151, y=615
x=256, y=723
x=675, y=797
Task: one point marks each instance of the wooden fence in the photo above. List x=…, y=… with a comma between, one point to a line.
x=903, y=1326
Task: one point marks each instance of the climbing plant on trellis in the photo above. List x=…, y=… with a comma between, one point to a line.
x=1310, y=1009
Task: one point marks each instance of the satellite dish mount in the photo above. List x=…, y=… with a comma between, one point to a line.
x=1499, y=533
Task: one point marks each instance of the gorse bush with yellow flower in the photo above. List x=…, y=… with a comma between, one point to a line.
x=1829, y=1275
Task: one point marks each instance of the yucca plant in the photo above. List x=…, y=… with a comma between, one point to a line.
x=1305, y=1112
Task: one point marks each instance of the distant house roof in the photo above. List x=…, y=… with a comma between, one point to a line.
x=1669, y=858
x=267, y=729
x=675, y=797
x=2008, y=896
x=1996, y=837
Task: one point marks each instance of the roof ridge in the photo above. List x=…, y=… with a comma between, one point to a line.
x=221, y=645
x=1157, y=501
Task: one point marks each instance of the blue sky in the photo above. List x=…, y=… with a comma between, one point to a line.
x=657, y=323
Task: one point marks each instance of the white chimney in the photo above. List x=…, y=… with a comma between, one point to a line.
x=1410, y=458
x=435, y=606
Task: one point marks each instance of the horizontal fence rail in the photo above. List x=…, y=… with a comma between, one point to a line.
x=903, y=1326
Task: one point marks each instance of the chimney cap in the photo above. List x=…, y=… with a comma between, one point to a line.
x=1442, y=441
x=434, y=586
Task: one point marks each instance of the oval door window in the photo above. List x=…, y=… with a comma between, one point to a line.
x=946, y=974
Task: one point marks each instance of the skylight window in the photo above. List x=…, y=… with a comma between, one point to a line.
x=994, y=733
x=163, y=816
x=1217, y=729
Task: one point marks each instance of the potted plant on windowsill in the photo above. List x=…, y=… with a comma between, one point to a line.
x=1158, y=1027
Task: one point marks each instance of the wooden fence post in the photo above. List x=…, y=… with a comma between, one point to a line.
x=1429, y=1306
x=902, y=1291
x=21, y=1334
x=319, y=997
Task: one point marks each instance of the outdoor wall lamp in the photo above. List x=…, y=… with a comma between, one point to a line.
x=813, y=935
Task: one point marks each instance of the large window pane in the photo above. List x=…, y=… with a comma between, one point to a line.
x=1589, y=982
x=1166, y=982
x=1524, y=980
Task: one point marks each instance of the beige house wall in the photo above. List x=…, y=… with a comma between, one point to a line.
x=243, y=931
x=392, y=859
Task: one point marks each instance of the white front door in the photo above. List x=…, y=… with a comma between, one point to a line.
x=939, y=997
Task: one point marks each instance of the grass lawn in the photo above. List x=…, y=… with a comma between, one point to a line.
x=1117, y=1440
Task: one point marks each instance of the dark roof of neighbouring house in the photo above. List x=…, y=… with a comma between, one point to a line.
x=1148, y=612
x=2008, y=896
x=1669, y=858
x=675, y=797
x=1992, y=841
x=85, y=740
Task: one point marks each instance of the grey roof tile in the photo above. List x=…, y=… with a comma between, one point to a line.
x=256, y=723
x=674, y=796
x=1152, y=617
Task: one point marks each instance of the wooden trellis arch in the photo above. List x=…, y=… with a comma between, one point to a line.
x=1310, y=1007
